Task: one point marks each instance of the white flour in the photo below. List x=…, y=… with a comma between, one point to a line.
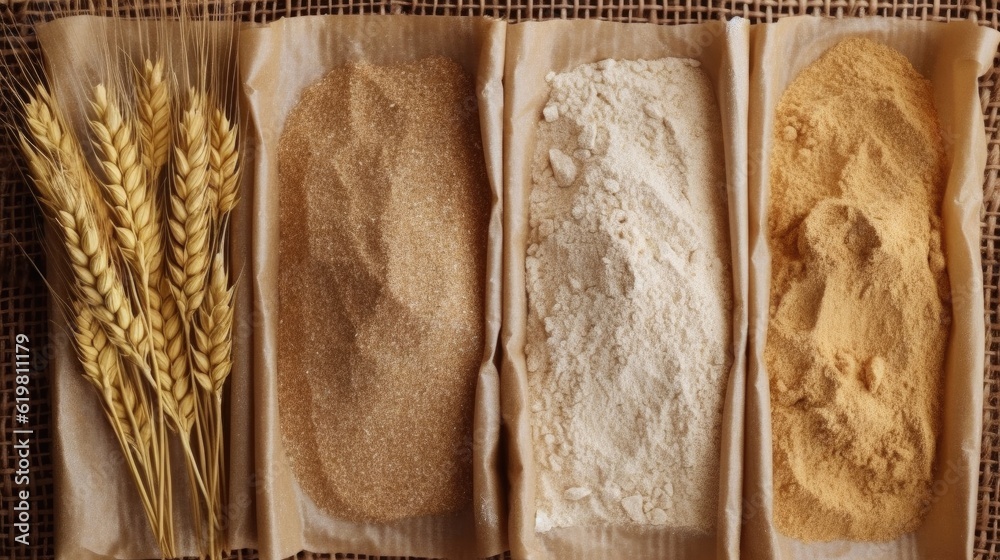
x=629, y=297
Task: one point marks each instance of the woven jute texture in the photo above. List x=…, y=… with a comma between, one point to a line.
x=23, y=297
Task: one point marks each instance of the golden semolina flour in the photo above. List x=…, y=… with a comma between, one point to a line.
x=860, y=307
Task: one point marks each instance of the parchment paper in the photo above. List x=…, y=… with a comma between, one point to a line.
x=534, y=49
x=98, y=513
x=951, y=55
x=278, y=61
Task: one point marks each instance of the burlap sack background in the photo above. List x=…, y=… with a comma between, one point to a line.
x=23, y=295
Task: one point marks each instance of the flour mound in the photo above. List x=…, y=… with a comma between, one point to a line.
x=629, y=289
x=859, y=296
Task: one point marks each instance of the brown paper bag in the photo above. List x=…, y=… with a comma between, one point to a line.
x=533, y=50
x=98, y=512
x=951, y=55
x=278, y=61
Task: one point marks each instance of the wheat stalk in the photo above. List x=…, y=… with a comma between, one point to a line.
x=188, y=223
x=154, y=117
x=127, y=411
x=211, y=335
x=130, y=192
x=216, y=343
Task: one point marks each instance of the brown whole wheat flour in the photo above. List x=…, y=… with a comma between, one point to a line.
x=384, y=209
x=629, y=297
x=859, y=296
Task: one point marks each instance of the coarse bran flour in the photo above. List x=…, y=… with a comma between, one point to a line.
x=629, y=297
x=859, y=296
x=384, y=212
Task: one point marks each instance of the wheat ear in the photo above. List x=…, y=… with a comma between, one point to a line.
x=41, y=169
x=189, y=218
x=213, y=340
x=176, y=391
x=102, y=368
x=50, y=133
x=134, y=208
x=223, y=178
x=154, y=117
x=52, y=141
x=97, y=281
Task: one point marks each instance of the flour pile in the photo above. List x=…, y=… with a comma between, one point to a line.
x=384, y=213
x=630, y=297
x=859, y=311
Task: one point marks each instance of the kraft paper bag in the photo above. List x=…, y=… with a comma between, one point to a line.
x=91, y=474
x=278, y=62
x=533, y=50
x=952, y=56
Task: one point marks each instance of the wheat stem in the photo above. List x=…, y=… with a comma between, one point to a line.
x=135, y=213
